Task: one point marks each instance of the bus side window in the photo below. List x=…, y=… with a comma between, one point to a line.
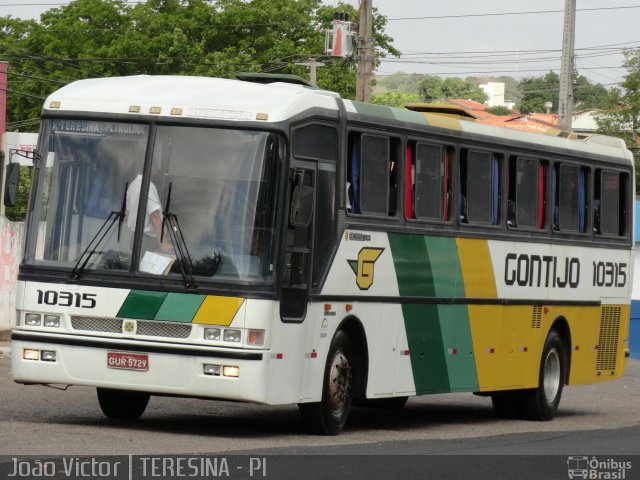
x=610, y=203
x=526, y=193
x=479, y=192
x=569, y=198
x=372, y=174
x=430, y=181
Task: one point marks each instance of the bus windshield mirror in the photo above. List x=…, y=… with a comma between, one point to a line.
x=302, y=202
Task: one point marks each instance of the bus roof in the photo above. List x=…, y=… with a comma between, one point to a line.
x=186, y=96
x=225, y=99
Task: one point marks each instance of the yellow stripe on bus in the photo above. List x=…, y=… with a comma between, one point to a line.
x=218, y=310
x=477, y=269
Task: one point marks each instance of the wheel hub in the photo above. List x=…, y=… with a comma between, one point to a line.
x=552, y=374
x=339, y=381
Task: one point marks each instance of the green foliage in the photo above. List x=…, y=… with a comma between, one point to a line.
x=401, y=82
x=623, y=120
x=18, y=212
x=587, y=95
x=536, y=91
x=395, y=99
x=96, y=38
x=434, y=88
x=498, y=110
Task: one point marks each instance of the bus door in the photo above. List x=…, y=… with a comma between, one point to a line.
x=296, y=270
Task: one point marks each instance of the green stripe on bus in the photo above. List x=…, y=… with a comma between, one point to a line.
x=405, y=115
x=454, y=319
x=373, y=110
x=415, y=278
x=439, y=336
x=180, y=307
x=142, y=304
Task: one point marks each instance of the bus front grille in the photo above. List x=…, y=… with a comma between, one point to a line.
x=144, y=327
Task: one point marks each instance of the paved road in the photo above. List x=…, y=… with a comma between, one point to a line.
x=601, y=420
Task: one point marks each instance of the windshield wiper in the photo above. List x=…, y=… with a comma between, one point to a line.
x=100, y=235
x=177, y=241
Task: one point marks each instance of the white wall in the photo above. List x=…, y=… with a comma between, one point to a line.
x=11, y=235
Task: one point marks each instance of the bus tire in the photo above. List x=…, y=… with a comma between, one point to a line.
x=122, y=404
x=541, y=403
x=329, y=416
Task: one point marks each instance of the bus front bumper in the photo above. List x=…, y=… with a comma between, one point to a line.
x=154, y=367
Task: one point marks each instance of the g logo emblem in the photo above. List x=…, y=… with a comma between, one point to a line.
x=364, y=265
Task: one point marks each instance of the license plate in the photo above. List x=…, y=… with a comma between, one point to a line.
x=128, y=361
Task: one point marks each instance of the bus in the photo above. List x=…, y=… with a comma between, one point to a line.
x=270, y=242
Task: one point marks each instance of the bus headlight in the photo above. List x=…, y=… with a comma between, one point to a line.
x=232, y=335
x=33, y=319
x=212, y=334
x=52, y=321
x=48, y=356
x=210, y=369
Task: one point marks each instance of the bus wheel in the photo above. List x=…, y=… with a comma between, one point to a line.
x=122, y=404
x=328, y=416
x=542, y=403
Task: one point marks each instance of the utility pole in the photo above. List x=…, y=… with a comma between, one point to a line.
x=313, y=65
x=364, y=55
x=565, y=104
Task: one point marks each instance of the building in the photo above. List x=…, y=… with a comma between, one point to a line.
x=495, y=92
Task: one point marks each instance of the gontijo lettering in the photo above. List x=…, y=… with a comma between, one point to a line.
x=547, y=271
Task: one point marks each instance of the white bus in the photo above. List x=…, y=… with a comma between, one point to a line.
x=298, y=248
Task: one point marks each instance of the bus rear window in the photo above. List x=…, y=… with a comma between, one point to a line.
x=609, y=203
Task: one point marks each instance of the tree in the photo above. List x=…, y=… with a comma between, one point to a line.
x=395, y=99
x=588, y=95
x=536, y=91
x=96, y=38
x=623, y=121
x=434, y=88
x=498, y=110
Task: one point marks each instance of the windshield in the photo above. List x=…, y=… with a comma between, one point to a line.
x=208, y=200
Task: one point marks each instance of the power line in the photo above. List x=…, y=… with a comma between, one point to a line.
x=502, y=14
x=24, y=94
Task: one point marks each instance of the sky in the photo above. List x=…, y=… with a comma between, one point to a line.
x=484, y=38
